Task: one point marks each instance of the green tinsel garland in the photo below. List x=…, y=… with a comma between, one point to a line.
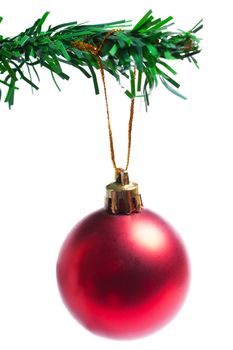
x=148, y=45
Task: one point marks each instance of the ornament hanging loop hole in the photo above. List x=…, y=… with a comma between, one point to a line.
x=121, y=176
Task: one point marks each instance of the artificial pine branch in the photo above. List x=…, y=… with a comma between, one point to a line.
x=148, y=45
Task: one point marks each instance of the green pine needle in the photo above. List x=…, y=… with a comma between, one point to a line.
x=148, y=46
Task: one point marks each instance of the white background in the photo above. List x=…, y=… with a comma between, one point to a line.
x=55, y=163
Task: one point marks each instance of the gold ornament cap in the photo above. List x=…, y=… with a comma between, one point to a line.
x=122, y=196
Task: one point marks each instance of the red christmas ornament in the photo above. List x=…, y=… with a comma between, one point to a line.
x=122, y=272
x=123, y=276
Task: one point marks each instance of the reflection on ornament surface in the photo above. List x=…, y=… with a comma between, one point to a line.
x=152, y=237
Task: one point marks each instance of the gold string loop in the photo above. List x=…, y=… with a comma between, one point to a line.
x=84, y=46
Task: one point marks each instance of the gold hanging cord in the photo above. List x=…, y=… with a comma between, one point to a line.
x=81, y=45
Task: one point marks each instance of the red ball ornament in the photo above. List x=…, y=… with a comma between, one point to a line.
x=123, y=276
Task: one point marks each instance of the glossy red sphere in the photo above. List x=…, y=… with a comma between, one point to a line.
x=123, y=276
